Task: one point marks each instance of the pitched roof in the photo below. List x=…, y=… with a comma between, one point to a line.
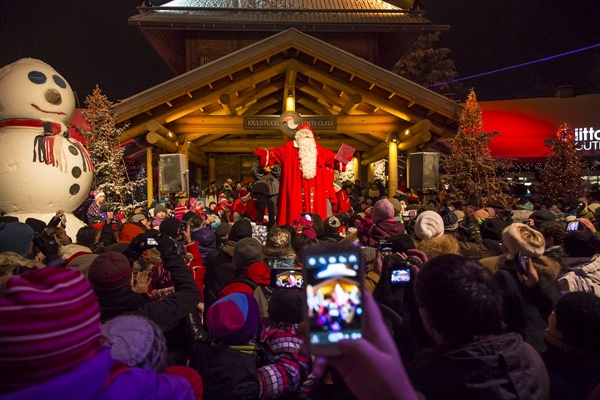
x=208, y=104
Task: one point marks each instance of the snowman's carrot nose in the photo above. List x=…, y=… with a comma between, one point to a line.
x=53, y=96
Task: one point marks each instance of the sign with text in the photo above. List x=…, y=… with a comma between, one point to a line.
x=587, y=139
x=274, y=122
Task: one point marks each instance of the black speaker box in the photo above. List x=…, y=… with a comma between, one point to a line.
x=171, y=176
x=424, y=170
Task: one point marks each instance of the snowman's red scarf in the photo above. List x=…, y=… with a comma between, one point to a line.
x=45, y=142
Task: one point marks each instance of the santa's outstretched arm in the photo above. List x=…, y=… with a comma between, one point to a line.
x=270, y=157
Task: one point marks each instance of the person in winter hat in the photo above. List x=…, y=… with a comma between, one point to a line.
x=16, y=237
x=384, y=225
x=278, y=250
x=52, y=344
x=219, y=262
x=331, y=229
x=110, y=276
x=243, y=207
x=429, y=229
x=522, y=270
x=160, y=214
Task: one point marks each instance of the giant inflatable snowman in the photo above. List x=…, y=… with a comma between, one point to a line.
x=42, y=169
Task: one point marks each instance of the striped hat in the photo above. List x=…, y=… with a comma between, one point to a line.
x=50, y=325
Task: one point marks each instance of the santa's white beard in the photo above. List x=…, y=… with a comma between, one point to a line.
x=307, y=153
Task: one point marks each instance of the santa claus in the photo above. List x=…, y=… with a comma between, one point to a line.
x=306, y=182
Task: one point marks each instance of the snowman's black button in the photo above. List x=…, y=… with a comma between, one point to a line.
x=74, y=189
x=73, y=150
x=76, y=171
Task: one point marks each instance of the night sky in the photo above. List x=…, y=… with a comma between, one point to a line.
x=91, y=43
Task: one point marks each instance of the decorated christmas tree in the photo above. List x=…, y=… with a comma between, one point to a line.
x=561, y=177
x=470, y=170
x=101, y=136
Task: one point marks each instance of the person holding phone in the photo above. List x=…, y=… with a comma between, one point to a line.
x=527, y=281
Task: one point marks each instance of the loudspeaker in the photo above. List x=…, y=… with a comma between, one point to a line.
x=424, y=170
x=171, y=177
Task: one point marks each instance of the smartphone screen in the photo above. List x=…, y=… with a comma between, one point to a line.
x=260, y=232
x=520, y=263
x=334, y=281
x=385, y=248
x=573, y=226
x=400, y=276
x=151, y=242
x=284, y=278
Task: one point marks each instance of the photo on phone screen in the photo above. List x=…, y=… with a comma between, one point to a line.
x=260, y=232
x=400, y=276
x=284, y=278
x=573, y=226
x=333, y=295
x=385, y=248
x=151, y=242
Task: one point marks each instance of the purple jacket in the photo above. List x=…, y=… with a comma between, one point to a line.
x=87, y=382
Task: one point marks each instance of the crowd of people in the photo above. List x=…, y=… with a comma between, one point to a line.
x=176, y=302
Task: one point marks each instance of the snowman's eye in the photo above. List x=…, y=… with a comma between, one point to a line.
x=59, y=81
x=37, y=77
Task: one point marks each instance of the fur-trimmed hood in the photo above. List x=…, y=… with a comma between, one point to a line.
x=445, y=244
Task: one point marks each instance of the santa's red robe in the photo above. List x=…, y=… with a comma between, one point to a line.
x=343, y=202
x=296, y=194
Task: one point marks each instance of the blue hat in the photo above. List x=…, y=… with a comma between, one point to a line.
x=16, y=237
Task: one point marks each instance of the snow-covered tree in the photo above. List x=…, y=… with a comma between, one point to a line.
x=470, y=168
x=101, y=136
x=562, y=175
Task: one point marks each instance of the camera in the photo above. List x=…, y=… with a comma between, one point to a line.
x=46, y=242
x=400, y=276
x=573, y=226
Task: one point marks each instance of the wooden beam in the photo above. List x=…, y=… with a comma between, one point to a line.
x=266, y=89
x=247, y=146
x=150, y=175
x=378, y=148
x=351, y=104
x=420, y=138
x=320, y=95
x=161, y=142
x=195, y=104
x=208, y=139
x=195, y=156
x=154, y=126
x=289, y=89
x=364, y=138
x=369, y=97
x=375, y=157
x=225, y=100
x=257, y=107
x=392, y=183
x=318, y=108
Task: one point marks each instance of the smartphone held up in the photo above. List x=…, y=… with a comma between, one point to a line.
x=334, y=275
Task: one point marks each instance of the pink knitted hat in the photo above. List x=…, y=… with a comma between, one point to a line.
x=50, y=325
x=383, y=210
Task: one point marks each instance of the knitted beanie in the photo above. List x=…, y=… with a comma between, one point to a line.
x=205, y=237
x=109, y=272
x=246, y=252
x=16, y=237
x=338, y=184
x=234, y=319
x=541, y=217
x=429, y=225
x=578, y=320
x=278, y=243
x=577, y=244
x=492, y=229
x=158, y=208
x=223, y=229
x=518, y=237
x=382, y=210
x=129, y=231
x=138, y=218
x=136, y=341
x=50, y=325
x=240, y=229
x=170, y=227
x=450, y=219
x=332, y=225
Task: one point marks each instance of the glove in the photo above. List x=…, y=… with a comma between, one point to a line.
x=166, y=244
x=257, y=152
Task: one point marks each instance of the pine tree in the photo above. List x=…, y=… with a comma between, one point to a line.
x=470, y=168
x=101, y=136
x=562, y=174
x=426, y=65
